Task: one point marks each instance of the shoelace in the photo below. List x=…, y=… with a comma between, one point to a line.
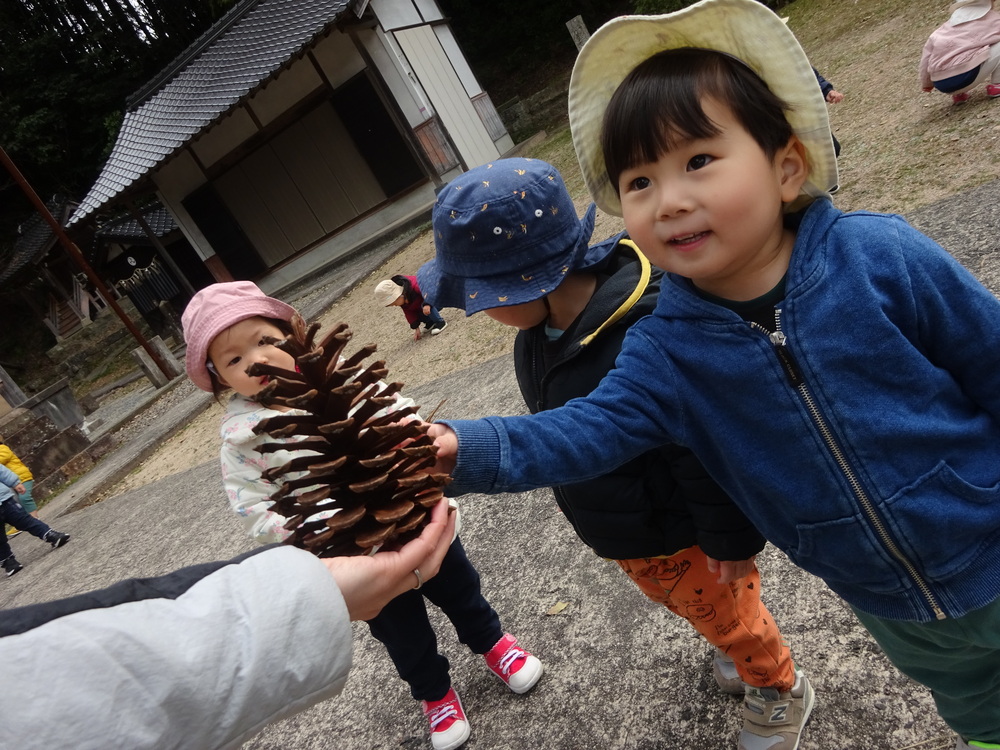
x=441, y=713
x=508, y=659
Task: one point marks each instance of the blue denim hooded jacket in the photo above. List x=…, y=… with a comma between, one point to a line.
x=863, y=439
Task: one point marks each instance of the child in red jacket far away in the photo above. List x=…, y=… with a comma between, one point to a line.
x=403, y=291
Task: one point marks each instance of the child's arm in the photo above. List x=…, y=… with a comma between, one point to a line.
x=12, y=480
x=925, y=77
x=955, y=319
x=8, y=477
x=586, y=438
x=722, y=530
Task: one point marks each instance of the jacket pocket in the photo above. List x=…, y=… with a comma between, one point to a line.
x=847, y=551
x=944, y=521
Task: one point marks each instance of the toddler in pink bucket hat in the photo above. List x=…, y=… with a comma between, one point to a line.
x=214, y=309
x=232, y=325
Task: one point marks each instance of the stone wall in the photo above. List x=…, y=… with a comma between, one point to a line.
x=523, y=117
x=92, y=344
x=53, y=455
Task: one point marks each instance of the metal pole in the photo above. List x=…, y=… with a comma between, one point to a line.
x=77, y=256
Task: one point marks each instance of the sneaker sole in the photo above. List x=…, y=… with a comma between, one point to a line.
x=455, y=743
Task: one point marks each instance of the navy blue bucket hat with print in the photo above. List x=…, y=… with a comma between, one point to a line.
x=505, y=233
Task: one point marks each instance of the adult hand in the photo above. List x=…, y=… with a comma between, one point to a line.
x=834, y=97
x=731, y=570
x=447, y=444
x=369, y=582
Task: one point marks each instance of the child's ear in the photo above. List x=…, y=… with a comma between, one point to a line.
x=222, y=380
x=792, y=167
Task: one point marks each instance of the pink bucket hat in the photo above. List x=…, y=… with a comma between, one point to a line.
x=214, y=309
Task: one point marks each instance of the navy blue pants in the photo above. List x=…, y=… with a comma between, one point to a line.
x=432, y=320
x=957, y=83
x=12, y=512
x=403, y=627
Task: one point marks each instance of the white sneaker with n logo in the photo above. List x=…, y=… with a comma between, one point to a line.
x=773, y=721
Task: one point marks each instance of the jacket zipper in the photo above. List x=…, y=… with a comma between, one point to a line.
x=779, y=341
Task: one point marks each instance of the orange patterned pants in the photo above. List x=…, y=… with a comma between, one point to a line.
x=731, y=616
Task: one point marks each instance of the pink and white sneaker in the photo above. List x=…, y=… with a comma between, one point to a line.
x=449, y=727
x=992, y=90
x=960, y=98
x=516, y=667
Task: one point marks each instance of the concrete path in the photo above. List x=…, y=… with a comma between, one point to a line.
x=620, y=671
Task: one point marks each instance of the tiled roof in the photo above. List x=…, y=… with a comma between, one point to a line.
x=127, y=228
x=36, y=238
x=242, y=50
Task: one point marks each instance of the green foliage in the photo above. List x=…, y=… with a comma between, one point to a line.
x=516, y=46
x=66, y=69
x=654, y=7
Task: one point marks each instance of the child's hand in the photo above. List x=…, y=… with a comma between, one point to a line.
x=447, y=445
x=416, y=334
x=427, y=309
x=834, y=97
x=19, y=488
x=730, y=570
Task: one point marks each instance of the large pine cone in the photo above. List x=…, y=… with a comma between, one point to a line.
x=358, y=465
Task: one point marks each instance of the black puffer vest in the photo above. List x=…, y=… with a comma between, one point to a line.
x=662, y=501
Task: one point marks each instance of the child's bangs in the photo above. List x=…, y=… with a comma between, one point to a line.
x=649, y=114
x=659, y=104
